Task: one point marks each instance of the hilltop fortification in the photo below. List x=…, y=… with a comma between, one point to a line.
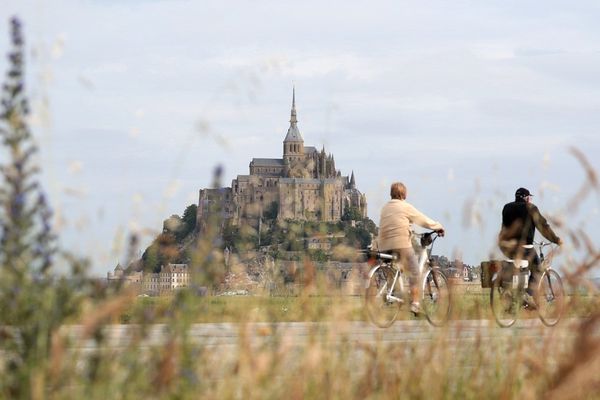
x=302, y=185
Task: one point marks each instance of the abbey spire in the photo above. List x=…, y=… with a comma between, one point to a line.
x=293, y=144
x=293, y=119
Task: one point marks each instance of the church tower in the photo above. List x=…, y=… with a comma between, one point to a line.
x=293, y=144
x=304, y=185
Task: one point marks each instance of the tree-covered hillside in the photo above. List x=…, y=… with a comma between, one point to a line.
x=316, y=239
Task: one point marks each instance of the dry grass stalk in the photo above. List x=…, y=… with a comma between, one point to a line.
x=577, y=377
x=109, y=311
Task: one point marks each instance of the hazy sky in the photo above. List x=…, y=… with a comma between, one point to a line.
x=137, y=101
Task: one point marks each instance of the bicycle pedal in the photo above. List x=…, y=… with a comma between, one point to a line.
x=395, y=299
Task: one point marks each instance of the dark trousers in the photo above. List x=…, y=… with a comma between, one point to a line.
x=532, y=257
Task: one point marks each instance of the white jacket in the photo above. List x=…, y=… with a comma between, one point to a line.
x=395, y=221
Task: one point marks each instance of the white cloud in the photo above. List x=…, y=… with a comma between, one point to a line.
x=349, y=65
x=150, y=96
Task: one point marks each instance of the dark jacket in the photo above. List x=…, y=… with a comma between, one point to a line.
x=519, y=221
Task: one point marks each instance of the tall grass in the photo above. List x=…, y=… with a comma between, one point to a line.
x=56, y=340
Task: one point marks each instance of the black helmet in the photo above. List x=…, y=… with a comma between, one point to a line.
x=521, y=193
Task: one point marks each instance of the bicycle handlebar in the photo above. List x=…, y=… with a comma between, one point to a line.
x=543, y=244
x=426, y=239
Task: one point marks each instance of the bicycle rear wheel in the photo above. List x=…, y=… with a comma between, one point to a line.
x=382, y=310
x=436, y=297
x=550, y=297
x=504, y=303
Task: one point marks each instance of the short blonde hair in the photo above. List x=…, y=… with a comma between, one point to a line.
x=398, y=191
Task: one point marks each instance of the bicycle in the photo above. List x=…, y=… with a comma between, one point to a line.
x=509, y=286
x=386, y=288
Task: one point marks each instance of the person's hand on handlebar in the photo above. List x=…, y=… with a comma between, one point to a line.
x=440, y=232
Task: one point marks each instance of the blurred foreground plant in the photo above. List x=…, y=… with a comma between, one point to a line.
x=34, y=301
x=41, y=356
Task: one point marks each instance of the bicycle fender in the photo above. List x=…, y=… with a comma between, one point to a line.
x=371, y=273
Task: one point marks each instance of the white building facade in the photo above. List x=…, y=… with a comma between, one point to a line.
x=170, y=278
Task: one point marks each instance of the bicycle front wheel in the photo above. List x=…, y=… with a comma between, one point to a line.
x=436, y=297
x=550, y=297
x=381, y=308
x=504, y=303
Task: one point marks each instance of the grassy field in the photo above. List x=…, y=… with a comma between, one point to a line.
x=469, y=302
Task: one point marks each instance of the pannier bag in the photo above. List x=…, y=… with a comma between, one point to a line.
x=505, y=268
x=488, y=269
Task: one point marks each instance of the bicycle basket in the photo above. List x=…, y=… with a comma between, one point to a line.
x=426, y=239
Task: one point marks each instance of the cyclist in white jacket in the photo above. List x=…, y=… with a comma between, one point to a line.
x=397, y=215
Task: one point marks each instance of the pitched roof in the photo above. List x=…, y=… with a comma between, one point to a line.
x=309, y=180
x=293, y=134
x=278, y=162
x=174, y=268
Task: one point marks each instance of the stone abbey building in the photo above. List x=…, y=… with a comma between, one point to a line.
x=301, y=185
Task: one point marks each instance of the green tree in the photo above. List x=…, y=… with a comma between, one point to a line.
x=318, y=255
x=188, y=222
x=370, y=226
x=189, y=216
x=358, y=237
x=351, y=214
x=231, y=236
x=162, y=251
x=240, y=237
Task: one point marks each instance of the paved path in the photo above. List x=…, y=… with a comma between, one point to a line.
x=228, y=334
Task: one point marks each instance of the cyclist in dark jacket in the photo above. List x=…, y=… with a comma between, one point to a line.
x=520, y=219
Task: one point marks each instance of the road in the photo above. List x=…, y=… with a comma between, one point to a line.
x=228, y=334
x=222, y=346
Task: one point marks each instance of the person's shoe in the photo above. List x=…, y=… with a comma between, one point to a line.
x=415, y=308
x=529, y=303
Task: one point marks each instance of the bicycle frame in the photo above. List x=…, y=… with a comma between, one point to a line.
x=509, y=297
x=520, y=266
x=386, y=288
x=545, y=261
x=422, y=260
x=424, y=256
x=389, y=261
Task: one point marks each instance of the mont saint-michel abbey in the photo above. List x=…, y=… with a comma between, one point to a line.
x=301, y=185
